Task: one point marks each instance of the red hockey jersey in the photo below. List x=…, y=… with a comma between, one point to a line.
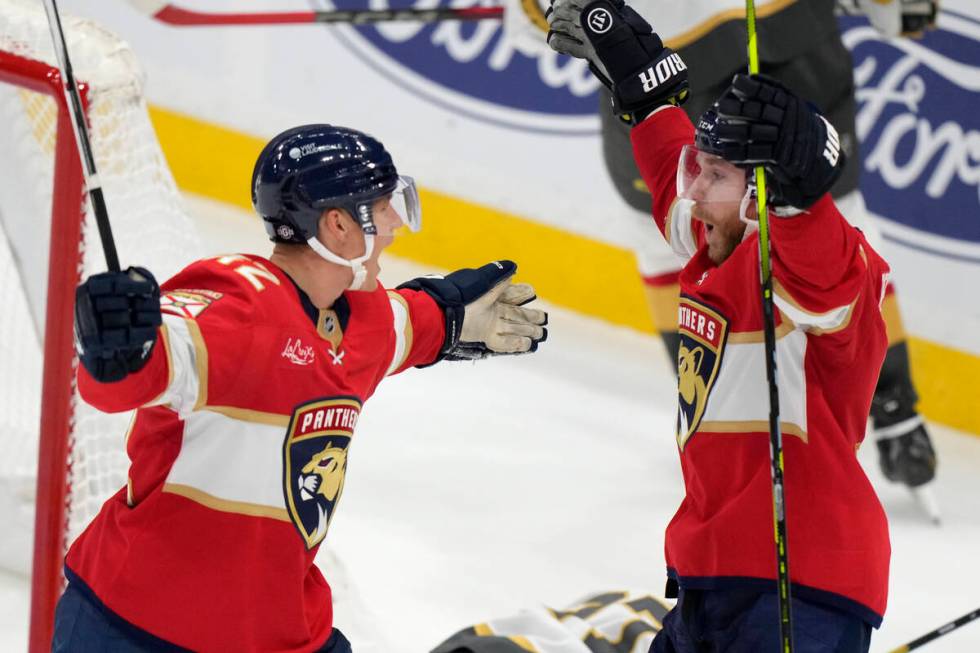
x=828, y=284
x=249, y=404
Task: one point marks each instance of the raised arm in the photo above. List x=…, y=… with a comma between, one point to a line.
x=127, y=365
x=647, y=81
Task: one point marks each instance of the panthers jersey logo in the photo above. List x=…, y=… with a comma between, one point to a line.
x=315, y=457
x=703, y=332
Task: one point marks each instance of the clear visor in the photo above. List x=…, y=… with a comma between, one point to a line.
x=405, y=202
x=705, y=177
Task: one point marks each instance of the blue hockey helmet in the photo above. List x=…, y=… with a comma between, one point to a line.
x=307, y=169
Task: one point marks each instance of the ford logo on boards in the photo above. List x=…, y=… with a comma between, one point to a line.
x=919, y=127
x=473, y=68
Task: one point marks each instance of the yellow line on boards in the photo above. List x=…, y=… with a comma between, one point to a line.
x=946, y=380
x=207, y=159
x=568, y=270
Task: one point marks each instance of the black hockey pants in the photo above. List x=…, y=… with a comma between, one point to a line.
x=747, y=621
x=83, y=625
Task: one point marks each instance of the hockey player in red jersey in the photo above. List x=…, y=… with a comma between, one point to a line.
x=808, y=56
x=830, y=342
x=248, y=375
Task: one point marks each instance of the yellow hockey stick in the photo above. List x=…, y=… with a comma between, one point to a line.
x=769, y=328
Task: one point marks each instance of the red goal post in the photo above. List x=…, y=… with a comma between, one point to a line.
x=59, y=458
x=67, y=214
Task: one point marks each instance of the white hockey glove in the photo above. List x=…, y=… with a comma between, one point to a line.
x=485, y=312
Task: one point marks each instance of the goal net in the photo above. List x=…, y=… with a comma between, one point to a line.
x=42, y=202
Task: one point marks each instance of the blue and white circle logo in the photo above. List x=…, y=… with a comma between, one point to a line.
x=474, y=69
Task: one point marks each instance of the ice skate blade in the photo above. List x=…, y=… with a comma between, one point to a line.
x=926, y=498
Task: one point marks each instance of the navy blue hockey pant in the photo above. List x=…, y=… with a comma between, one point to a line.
x=83, y=625
x=747, y=621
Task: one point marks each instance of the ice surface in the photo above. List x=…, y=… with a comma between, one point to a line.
x=474, y=490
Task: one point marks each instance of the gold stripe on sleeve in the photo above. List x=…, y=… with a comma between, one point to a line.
x=669, y=220
x=785, y=296
x=201, y=361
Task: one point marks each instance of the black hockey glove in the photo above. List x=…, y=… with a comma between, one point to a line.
x=116, y=320
x=760, y=121
x=623, y=52
x=484, y=312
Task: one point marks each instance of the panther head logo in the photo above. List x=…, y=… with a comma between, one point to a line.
x=691, y=387
x=324, y=474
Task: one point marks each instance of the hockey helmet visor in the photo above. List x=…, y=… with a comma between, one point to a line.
x=706, y=177
x=405, y=202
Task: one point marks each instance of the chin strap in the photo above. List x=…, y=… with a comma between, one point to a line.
x=355, y=264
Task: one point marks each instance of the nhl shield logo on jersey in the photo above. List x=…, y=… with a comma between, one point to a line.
x=703, y=332
x=315, y=462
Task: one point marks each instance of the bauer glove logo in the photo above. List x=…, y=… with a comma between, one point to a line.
x=599, y=20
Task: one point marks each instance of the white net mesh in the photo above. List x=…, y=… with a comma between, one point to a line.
x=150, y=226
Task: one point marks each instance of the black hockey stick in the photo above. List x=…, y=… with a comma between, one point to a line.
x=769, y=329
x=180, y=17
x=945, y=629
x=74, y=100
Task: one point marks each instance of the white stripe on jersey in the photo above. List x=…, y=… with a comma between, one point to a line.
x=402, y=326
x=826, y=322
x=739, y=400
x=247, y=480
x=184, y=390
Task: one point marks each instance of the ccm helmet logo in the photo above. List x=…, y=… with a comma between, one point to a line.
x=599, y=20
